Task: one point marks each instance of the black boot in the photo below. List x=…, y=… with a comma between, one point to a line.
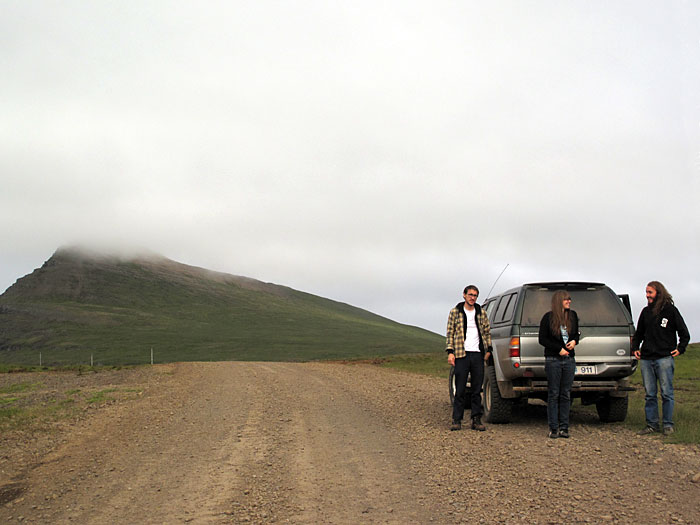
x=477, y=424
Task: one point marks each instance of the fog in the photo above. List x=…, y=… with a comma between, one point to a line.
x=383, y=154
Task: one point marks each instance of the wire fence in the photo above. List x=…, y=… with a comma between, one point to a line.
x=58, y=358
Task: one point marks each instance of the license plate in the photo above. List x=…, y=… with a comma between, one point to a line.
x=585, y=370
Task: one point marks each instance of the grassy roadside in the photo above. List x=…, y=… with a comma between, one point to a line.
x=38, y=400
x=686, y=390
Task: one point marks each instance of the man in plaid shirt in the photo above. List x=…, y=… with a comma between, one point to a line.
x=468, y=347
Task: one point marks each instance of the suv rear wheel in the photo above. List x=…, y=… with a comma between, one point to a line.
x=612, y=409
x=496, y=408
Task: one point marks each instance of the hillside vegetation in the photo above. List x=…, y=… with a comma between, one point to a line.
x=79, y=305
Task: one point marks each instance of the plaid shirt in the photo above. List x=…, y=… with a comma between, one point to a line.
x=456, y=330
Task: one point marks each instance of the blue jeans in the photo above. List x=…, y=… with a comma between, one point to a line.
x=560, y=378
x=660, y=370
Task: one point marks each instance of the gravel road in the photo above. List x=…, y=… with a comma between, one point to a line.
x=331, y=443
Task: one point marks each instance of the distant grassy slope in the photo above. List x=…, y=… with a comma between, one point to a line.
x=76, y=305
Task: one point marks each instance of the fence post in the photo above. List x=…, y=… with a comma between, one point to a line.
x=151, y=355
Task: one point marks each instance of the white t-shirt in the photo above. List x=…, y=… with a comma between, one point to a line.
x=471, y=341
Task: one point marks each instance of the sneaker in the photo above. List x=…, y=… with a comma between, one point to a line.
x=564, y=433
x=477, y=424
x=456, y=425
x=647, y=430
x=668, y=430
x=553, y=434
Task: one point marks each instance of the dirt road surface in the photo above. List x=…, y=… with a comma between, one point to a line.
x=329, y=443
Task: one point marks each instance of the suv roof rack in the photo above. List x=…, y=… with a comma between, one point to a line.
x=563, y=284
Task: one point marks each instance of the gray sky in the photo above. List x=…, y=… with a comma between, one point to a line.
x=383, y=154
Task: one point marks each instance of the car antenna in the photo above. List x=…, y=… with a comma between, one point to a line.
x=494, y=283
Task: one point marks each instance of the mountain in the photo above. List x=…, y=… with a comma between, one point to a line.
x=114, y=309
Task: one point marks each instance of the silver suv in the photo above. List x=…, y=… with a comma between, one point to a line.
x=603, y=356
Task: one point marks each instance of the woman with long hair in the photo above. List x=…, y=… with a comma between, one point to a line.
x=559, y=336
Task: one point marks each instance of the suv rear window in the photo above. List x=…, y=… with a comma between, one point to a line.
x=595, y=306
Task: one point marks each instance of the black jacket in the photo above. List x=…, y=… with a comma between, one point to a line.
x=658, y=333
x=553, y=343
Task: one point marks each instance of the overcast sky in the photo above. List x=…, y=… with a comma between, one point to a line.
x=383, y=154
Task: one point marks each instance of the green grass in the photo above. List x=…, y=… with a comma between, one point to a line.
x=428, y=364
x=9, y=414
x=19, y=387
x=101, y=396
x=32, y=406
x=23, y=417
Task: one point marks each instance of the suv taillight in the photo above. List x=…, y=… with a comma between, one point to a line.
x=514, y=347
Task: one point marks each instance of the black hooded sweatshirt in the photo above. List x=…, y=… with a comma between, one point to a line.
x=657, y=333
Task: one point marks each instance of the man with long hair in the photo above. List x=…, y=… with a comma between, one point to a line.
x=663, y=336
x=468, y=347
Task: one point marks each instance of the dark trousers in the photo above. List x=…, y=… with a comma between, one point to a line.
x=471, y=365
x=560, y=377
